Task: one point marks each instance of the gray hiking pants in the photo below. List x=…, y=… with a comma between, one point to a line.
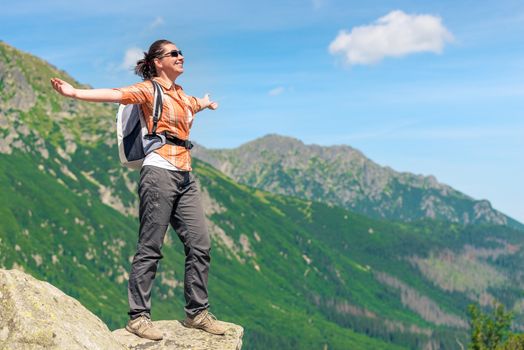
x=169, y=197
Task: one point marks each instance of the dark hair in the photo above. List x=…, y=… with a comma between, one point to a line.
x=145, y=67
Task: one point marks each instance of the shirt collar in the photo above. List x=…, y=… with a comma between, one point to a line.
x=168, y=85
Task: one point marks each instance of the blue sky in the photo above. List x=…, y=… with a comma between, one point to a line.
x=426, y=87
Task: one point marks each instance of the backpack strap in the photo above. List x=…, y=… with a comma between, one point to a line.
x=173, y=140
x=157, y=105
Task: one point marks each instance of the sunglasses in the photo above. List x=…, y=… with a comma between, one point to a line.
x=173, y=53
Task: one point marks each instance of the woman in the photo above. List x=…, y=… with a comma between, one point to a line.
x=167, y=189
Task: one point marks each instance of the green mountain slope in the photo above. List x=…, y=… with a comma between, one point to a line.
x=343, y=176
x=281, y=267
x=296, y=274
x=82, y=246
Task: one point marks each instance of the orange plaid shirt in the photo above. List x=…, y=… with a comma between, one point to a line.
x=177, y=116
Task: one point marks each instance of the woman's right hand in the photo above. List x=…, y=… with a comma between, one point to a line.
x=63, y=87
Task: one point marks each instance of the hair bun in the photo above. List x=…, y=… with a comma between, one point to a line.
x=145, y=67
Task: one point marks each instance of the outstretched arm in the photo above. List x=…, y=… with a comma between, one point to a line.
x=92, y=95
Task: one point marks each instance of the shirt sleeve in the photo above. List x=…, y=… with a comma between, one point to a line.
x=137, y=94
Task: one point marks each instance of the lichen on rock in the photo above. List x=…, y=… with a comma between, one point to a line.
x=35, y=315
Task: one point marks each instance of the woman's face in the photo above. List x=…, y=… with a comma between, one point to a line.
x=169, y=64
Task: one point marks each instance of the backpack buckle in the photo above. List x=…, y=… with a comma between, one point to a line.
x=188, y=144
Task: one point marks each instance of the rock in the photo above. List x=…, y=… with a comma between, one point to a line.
x=176, y=336
x=36, y=315
x=18, y=92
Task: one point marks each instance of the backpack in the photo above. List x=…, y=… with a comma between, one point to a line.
x=133, y=138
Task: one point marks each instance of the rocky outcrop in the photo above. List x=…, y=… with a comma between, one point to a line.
x=16, y=91
x=36, y=315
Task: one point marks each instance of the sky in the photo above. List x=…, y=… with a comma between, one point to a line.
x=427, y=87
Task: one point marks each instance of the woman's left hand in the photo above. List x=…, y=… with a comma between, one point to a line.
x=207, y=103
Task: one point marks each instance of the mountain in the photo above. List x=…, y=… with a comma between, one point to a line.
x=295, y=273
x=343, y=176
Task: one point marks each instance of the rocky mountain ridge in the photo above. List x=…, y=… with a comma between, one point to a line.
x=344, y=176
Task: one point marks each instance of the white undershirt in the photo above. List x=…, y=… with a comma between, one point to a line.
x=157, y=160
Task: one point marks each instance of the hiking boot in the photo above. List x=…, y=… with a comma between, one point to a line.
x=206, y=321
x=144, y=328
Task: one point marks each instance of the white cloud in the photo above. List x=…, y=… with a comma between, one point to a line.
x=159, y=21
x=131, y=55
x=396, y=34
x=276, y=91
